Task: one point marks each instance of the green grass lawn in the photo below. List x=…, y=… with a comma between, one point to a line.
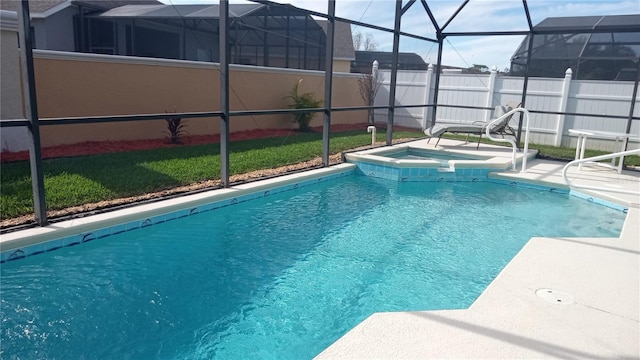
x=80, y=180
x=550, y=152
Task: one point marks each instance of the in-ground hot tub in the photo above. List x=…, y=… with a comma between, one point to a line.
x=411, y=153
x=407, y=163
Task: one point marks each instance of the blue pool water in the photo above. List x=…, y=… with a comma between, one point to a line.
x=280, y=277
x=422, y=154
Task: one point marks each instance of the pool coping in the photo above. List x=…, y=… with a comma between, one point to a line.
x=28, y=242
x=377, y=163
x=486, y=162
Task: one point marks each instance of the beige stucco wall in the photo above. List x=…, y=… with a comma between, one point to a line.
x=10, y=94
x=342, y=66
x=11, y=139
x=71, y=84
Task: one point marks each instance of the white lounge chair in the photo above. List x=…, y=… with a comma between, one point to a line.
x=476, y=128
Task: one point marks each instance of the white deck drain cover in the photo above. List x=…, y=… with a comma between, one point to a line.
x=554, y=296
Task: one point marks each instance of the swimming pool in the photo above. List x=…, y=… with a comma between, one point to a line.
x=281, y=276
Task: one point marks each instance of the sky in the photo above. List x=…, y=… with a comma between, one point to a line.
x=477, y=15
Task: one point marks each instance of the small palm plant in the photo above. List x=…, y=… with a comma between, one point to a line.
x=176, y=129
x=302, y=101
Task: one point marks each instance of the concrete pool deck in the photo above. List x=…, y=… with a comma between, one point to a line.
x=589, y=306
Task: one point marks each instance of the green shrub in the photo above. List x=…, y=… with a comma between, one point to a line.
x=176, y=129
x=302, y=101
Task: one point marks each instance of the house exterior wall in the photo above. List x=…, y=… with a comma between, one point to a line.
x=341, y=66
x=56, y=31
x=10, y=95
x=77, y=85
x=201, y=46
x=11, y=139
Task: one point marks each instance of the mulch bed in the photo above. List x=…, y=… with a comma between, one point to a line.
x=90, y=148
x=104, y=147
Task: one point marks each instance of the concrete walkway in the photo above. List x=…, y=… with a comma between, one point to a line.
x=566, y=298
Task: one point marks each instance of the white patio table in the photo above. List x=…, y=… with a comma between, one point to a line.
x=621, y=140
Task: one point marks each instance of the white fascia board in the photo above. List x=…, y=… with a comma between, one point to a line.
x=8, y=20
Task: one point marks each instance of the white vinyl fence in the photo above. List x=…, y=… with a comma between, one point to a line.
x=490, y=90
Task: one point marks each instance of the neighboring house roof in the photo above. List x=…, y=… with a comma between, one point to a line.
x=343, y=40
x=111, y=4
x=405, y=60
x=40, y=6
x=594, y=47
x=34, y=5
x=608, y=22
x=574, y=46
x=179, y=11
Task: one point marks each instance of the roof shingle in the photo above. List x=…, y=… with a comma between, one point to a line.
x=44, y=5
x=343, y=40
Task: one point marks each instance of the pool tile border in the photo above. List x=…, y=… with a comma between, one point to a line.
x=529, y=185
x=247, y=194
x=562, y=189
x=251, y=193
x=599, y=201
x=421, y=174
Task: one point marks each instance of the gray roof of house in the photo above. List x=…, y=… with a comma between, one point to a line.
x=386, y=57
x=34, y=5
x=180, y=11
x=44, y=5
x=343, y=40
x=609, y=22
